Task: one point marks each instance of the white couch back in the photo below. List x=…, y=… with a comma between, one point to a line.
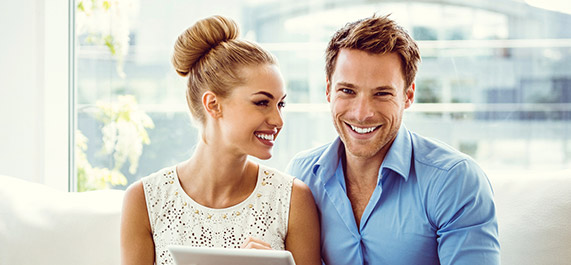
x=534, y=213
x=39, y=225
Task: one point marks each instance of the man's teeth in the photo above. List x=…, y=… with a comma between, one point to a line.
x=363, y=130
x=269, y=137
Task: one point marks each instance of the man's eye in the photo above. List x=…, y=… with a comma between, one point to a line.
x=382, y=94
x=347, y=91
x=262, y=103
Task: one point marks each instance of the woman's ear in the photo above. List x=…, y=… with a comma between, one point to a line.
x=211, y=104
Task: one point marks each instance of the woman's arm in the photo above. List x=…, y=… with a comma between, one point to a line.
x=137, y=245
x=303, y=236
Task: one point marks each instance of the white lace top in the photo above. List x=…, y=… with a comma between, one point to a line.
x=176, y=219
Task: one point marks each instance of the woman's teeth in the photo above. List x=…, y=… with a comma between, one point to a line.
x=363, y=130
x=268, y=137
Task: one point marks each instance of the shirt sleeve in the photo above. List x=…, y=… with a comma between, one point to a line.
x=296, y=169
x=289, y=168
x=462, y=210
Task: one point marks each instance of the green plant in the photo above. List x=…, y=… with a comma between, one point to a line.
x=106, y=23
x=124, y=134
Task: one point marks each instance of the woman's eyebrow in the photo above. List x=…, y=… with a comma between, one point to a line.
x=267, y=94
x=264, y=93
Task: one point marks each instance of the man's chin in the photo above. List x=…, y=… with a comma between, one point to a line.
x=363, y=149
x=361, y=153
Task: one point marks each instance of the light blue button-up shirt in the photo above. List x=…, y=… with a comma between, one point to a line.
x=432, y=205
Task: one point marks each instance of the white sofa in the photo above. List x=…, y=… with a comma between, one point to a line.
x=39, y=225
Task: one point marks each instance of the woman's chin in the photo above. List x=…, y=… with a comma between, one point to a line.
x=262, y=156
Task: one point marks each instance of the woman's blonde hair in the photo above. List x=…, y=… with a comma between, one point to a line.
x=211, y=55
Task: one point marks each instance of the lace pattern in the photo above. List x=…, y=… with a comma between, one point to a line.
x=176, y=219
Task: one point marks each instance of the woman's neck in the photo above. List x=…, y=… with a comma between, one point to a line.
x=217, y=178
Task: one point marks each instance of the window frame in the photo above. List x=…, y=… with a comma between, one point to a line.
x=58, y=99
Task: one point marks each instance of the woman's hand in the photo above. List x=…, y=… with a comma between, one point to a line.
x=255, y=243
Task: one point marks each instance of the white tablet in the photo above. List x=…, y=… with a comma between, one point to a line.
x=185, y=255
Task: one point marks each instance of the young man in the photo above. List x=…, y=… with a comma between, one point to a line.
x=385, y=194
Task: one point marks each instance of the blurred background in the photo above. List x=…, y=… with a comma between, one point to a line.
x=494, y=81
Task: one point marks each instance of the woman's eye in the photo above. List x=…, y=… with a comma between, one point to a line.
x=262, y=103
x=281, y=104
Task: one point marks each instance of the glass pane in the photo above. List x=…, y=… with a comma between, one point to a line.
x=494, y=81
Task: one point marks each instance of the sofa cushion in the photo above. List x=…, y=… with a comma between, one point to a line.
x=534, y=211
x=40, y=225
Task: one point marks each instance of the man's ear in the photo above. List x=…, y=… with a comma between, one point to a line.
x=328, y=90
x=211, y=104
x=409, y=95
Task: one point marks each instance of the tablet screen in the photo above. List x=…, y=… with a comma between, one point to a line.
x=185, y=255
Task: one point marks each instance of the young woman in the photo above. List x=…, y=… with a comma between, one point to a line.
x=219, y=198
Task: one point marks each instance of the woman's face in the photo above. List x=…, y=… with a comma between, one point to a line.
x=252, y=113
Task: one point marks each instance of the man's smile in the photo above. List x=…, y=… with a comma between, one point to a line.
x=363, y=130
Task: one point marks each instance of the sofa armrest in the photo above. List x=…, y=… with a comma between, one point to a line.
x=534, y=211
x=40, y=225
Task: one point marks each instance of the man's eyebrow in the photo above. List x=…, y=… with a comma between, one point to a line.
x=345, y=84
x=385, y=88
x=269, y=95
x=350, y=85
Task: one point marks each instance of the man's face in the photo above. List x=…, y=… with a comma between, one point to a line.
x=367, y=96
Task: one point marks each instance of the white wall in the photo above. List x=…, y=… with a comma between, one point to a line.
x=33, y=91
x=21, y=93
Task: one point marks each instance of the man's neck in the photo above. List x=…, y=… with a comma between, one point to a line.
x=360, y=181
x=361, y=171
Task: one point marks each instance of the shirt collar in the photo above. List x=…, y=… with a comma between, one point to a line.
x=329, y=160
x=398, y=158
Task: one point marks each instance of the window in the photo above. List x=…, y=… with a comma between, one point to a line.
x=494, y=81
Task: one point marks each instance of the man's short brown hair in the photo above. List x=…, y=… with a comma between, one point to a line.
x=377, y=35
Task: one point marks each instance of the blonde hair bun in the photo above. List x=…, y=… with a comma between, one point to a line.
x=199, y=39
x=211, y=56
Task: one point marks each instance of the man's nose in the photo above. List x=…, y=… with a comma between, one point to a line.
x=363, y=108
